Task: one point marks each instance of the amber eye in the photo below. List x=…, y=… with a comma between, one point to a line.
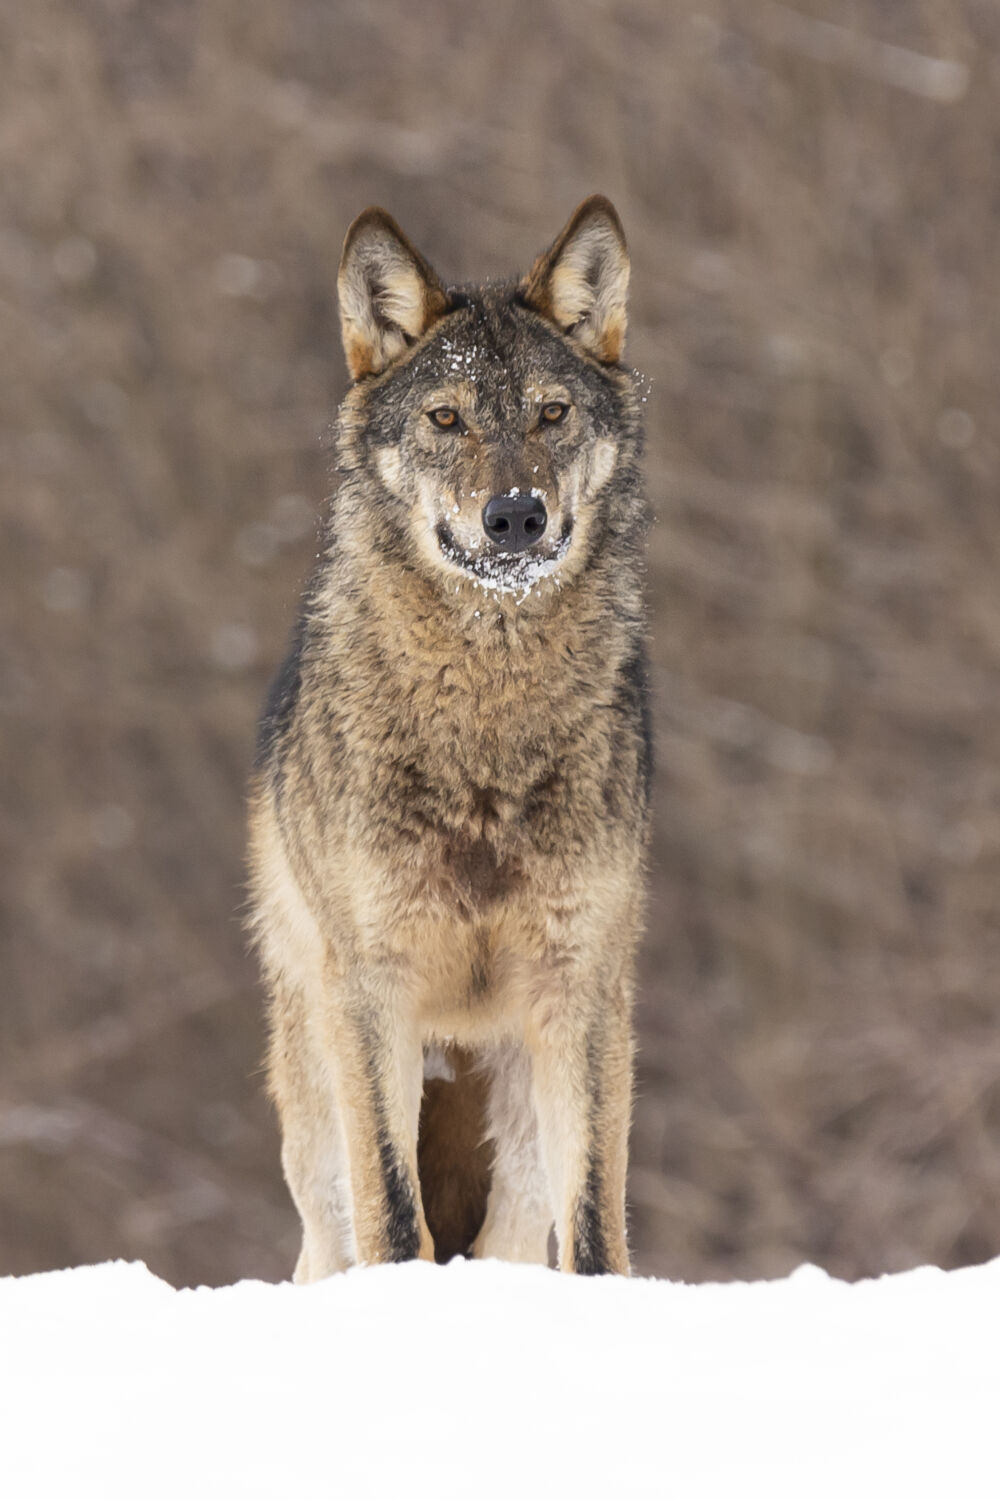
x=444, y=417
x=554, y=411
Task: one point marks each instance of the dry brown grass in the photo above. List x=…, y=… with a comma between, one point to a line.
x=812, y=215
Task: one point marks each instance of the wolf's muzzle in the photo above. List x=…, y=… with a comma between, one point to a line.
x=514, y=521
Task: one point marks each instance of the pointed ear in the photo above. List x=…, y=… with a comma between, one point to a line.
x=388, y=293
x=581, y=283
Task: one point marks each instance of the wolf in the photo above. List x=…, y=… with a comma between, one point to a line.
x=449, y=804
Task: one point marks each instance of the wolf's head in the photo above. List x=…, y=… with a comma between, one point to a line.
x=494, y=418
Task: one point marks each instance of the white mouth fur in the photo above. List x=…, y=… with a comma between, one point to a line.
x=504, y=573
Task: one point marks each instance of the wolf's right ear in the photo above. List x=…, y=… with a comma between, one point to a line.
x=388, y=293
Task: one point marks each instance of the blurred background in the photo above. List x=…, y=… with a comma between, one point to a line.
x=811, y=197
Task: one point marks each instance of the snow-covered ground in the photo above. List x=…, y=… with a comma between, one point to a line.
x=482, y=1379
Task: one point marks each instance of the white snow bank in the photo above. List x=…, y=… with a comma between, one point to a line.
x=482, y=1379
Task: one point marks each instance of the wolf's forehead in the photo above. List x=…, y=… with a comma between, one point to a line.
x=473, y=350
x=502, y=366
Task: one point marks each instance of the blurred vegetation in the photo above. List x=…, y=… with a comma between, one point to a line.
x=811, y=200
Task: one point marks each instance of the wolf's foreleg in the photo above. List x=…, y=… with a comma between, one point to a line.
x=518, y=1212
x=312, y=1149
x=313, y=1162
x=582, y=1054
x=377, y=1059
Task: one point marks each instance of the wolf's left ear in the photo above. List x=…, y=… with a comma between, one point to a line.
x=388, y=293
x=581, y=283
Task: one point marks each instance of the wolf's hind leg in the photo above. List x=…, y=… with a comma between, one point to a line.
x=519, y=1212
x=453, y=1153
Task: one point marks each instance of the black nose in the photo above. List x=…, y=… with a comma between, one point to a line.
x=514, y=521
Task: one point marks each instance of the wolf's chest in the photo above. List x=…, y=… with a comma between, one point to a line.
x=471, y=819
x=474, y=845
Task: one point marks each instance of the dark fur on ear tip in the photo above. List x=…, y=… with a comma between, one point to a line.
x=597, y=205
